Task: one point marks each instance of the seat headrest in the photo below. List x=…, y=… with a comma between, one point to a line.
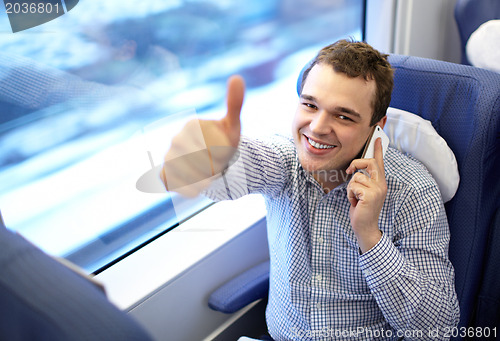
x=413, y=135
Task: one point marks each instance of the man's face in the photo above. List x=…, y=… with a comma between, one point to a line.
x=332, y=121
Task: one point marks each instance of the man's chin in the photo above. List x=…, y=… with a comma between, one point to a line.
x=320, y=168
x=315, y=168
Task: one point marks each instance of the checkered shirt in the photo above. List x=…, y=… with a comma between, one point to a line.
x=321, y=287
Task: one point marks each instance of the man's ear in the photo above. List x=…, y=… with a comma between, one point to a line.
x=382, y=122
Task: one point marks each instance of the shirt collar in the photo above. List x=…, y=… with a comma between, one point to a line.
x=309, y=178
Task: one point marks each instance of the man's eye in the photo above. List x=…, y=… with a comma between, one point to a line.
x=309, y=105
x=343, y=117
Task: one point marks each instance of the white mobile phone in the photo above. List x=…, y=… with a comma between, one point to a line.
x=369, y=151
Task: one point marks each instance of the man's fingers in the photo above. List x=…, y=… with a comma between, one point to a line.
x=366, y=166
x=374, y=168
x=235, y=95
x=357, y=186
x=361, y=178
x=355, y=193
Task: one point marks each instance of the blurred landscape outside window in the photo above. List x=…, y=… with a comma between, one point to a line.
x=90, y=100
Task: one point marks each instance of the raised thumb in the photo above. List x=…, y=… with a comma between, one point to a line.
x=235, y=95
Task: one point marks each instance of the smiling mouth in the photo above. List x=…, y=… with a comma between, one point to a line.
x=318, y=145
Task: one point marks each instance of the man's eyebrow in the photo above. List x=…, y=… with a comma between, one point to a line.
x=308, y=97
x=348, y=111
x=344, y=110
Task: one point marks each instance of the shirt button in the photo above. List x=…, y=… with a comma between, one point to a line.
x=319, y=277
x=320, y=240
x=318, y=305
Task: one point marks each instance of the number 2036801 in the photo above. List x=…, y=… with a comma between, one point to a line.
x=473, y=332
x=32, y=8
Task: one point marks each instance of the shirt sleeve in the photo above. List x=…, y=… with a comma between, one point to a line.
x=410, y=274
x=258, y=167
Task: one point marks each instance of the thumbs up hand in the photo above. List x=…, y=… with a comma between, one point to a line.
x=230, y=124
x=194, y=156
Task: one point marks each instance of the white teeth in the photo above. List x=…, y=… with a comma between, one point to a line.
x=318, y=145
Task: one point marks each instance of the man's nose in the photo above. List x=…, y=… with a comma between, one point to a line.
x=320, y=124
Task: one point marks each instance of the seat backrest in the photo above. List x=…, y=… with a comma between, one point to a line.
x=463, y=104
x=41, y=299
x=470, y=14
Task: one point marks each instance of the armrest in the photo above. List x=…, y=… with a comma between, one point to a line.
x=242, y=290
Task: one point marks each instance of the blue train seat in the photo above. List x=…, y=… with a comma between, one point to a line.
x=469, y=15
x=41, y=299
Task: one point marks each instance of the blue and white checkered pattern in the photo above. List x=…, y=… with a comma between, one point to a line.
x=321, y=288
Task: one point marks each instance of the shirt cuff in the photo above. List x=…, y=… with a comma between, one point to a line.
x=381, y=263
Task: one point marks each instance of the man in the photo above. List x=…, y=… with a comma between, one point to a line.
x=354, y=255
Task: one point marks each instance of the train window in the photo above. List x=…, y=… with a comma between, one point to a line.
x=88, y=98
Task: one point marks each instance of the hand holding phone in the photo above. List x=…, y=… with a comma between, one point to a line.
x=366, y=191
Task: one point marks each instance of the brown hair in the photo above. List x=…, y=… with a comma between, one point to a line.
x=359, y=59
